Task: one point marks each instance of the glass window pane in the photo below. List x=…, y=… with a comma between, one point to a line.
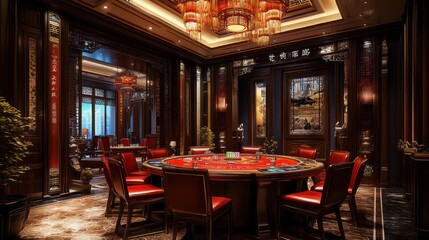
x=99, y=117
x=110, y=120
x=86, y=99
x=110, y=102
x=99, y=92
x=110, y=94
x=86, y=90
x=87, y=117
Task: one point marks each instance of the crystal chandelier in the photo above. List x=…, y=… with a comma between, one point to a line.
x=255, y=20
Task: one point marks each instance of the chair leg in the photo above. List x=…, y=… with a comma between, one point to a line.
x=306, y=224
x=353, y=210
x=110, y=202
x=121, y=211
x=229, y=224
x=278, y=221
x=340, y=222
x=209, y=229
x=165, y=222
x=320, y=226
x=129, y=217
x=175, y=223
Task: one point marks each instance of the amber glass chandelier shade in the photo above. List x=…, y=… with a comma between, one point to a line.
x=258, y=19
x=237, y=15
x=126, y=78
x=274, y=12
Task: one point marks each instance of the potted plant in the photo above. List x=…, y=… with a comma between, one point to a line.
x=14, y=209
x=207, y=137
x=270, y=146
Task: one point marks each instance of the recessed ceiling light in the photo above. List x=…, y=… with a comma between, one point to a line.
x=150, y=28
x=364, y=24
x=179, y=40
x=105, y=7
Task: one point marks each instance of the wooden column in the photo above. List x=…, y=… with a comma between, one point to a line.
x=416, y=47
x=421, y=198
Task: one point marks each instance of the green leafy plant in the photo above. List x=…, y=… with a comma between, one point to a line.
x=270, y=145
x=13, y=146
x=207, y=137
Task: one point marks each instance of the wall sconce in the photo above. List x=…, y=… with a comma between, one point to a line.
x=221, y=104
x=367, y=96
x=85, y=133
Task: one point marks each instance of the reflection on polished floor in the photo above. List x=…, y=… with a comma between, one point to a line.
x=82, y=217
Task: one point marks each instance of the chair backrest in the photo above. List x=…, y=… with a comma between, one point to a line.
x=118, y=176
x=144, y=142
x=337, y=156
x=251, y=149
x=157, y=153
x=125, y=141
x=94, y=142
x=306, y=152
x=187, y=191
x=106, y=171
x=336, y=184
x=151, y=141
x=358, y=169
x=130, y=162
x=100, y=144
x=199, y=149
x=104, y=144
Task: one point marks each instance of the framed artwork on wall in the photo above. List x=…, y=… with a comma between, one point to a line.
x=260, y=109
x=306, y=105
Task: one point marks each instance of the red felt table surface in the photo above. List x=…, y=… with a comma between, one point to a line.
x=222, y=163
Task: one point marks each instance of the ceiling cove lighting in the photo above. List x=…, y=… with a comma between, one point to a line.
x=255, y=20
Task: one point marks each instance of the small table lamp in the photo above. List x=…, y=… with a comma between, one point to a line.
x=173, y=147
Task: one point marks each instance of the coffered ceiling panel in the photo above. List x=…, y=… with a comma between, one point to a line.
x=305, y=19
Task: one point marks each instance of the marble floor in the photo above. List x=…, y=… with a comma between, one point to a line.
x=383, y=214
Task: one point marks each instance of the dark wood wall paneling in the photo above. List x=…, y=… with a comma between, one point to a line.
x=246, y=101
x=30, y=92
x=6, y=49
x=416, y=106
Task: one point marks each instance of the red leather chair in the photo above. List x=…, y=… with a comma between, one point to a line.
x=157, y=153
x=143, y=152
x=194, y=150
x=251, y=149
x=358, y=169
x=131, y=196
x=131, y=167
x=335, y=156
x=104, y=145
x=125, y=141
x=317, y=204
x=188, y=198
x=151, y=141
x=131, y=180
x=306, y=152
x=95, y=150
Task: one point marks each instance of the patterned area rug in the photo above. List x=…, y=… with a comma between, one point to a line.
x=77, y=218
x=82, y=217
